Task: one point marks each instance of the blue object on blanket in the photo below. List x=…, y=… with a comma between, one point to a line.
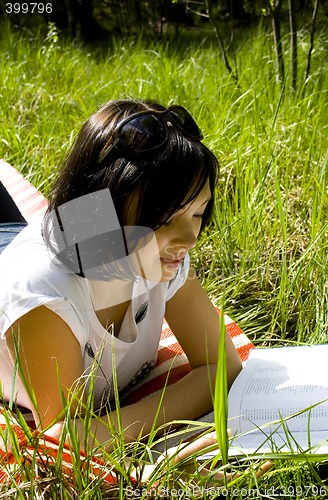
x=8, y=231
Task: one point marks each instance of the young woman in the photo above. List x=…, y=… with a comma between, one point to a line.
x=93, y=280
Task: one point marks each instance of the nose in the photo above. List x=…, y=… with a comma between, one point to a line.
x=185, y=236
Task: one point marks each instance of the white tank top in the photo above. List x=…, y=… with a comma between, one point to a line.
x=28, y=280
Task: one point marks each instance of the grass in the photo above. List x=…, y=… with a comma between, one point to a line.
x=266, y=252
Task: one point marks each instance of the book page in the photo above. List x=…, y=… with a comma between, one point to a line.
x=279, y=382
x=280, y=442
x=255, y=443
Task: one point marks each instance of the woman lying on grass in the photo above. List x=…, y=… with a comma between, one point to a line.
x=94, y=279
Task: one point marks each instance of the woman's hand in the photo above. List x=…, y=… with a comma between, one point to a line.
x=186, y=450
x=178, y=454
x=55, y=431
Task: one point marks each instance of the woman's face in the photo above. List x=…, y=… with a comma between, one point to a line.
x=180, y=233
x=161, y=256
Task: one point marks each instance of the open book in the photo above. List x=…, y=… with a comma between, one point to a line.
x=275, y=384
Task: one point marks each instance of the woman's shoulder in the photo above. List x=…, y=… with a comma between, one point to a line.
x=29, y=278
x=28, y=265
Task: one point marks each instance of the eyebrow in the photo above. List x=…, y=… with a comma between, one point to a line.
x=204, y=203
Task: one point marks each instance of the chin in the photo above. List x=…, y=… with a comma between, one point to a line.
x=168, y=273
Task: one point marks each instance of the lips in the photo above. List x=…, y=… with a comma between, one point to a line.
x=172, y=262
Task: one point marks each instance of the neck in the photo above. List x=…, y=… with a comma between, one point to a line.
x=107, y=294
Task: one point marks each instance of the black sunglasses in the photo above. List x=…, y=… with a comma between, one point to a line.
x=148, y=130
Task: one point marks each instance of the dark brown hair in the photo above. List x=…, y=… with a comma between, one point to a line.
x=164, y=181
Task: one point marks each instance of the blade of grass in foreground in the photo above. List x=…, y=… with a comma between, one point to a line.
x=221, y=396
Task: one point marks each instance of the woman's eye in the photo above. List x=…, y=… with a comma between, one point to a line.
x=171, y=221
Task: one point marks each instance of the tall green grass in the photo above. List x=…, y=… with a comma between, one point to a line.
x=267, y=247
x=266, y=252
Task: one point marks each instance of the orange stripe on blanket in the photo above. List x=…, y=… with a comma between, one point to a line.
x=243, y=352
x=233, y=329
x=166, y=332
x=170, y=352
x=46, y=451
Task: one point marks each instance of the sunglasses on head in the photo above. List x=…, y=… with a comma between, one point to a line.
x=148, y=130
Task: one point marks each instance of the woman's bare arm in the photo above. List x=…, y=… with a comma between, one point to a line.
x=196, y=324
x=46, y=347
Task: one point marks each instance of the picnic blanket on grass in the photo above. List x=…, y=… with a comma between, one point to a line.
x=172, y=363
x=45, y=455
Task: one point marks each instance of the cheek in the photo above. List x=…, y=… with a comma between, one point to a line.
x=198, y=229
x=161, y=238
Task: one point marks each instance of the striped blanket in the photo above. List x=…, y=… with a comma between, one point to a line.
x=42, y=453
